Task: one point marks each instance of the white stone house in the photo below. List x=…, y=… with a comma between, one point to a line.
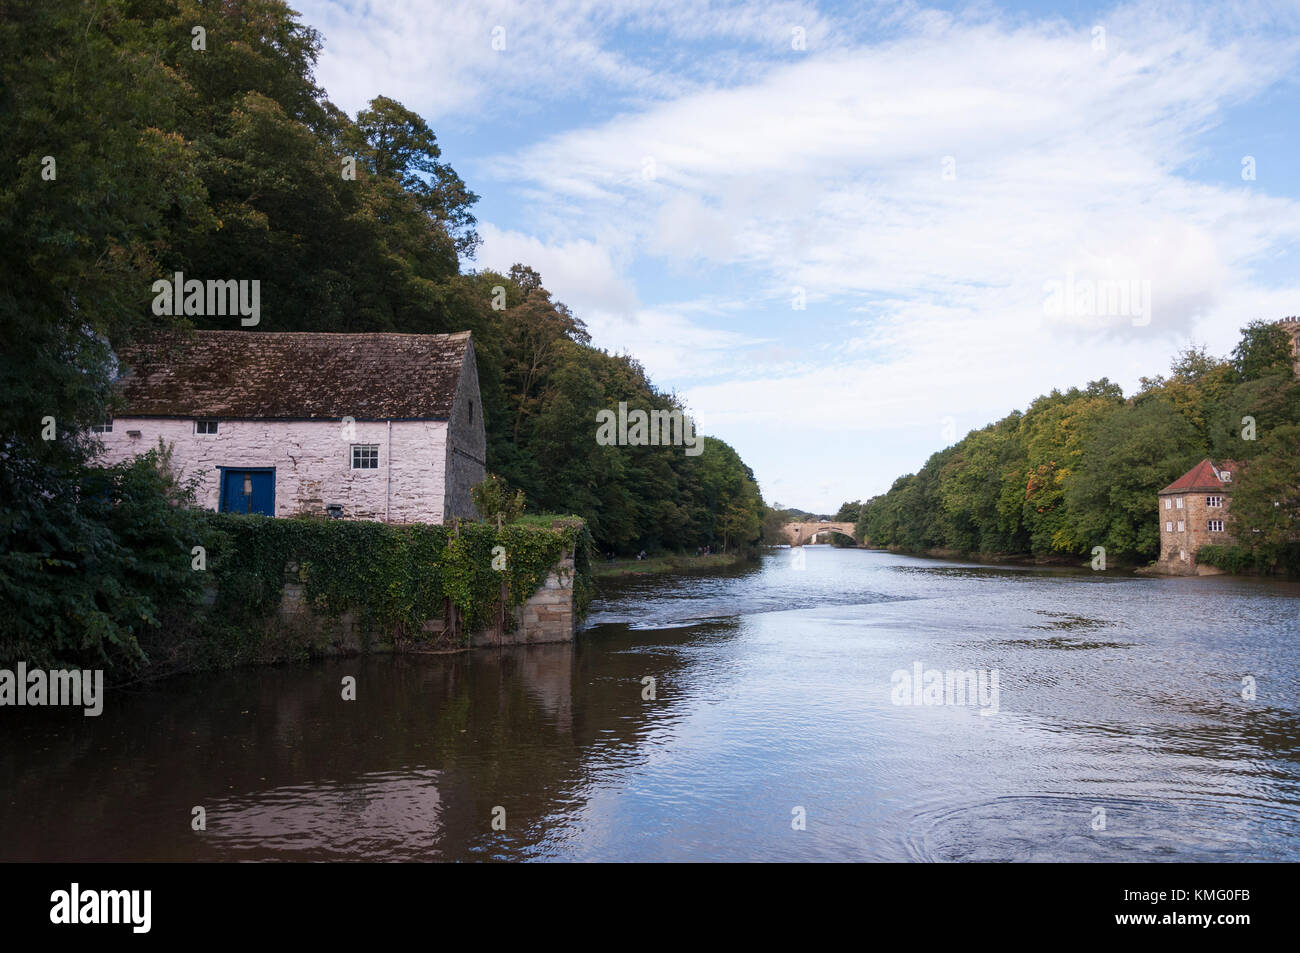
x=363, y=426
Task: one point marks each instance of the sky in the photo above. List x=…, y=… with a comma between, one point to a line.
x=847, y=234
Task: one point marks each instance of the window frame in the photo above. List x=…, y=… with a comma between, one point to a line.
x=356, y=452
x=202, y=421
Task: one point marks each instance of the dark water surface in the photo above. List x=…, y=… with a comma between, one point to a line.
x=1119, y=700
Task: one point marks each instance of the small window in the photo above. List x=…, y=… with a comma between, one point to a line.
x=1169, y=503
x=208, y=427
x=365, y=456
x=1180, y=526
x=471, y=411
x=105, y=427
x=1169, y=526
x=1179, y=502
x=1216, y=526
x=1214, y=501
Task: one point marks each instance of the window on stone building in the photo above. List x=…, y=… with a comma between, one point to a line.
x=365, y=456
x=1169, y=504
x=1179, y=502
x=208, y=427
x=1216, y=526
x=105, y=427
x=1214, y=501
x=1169, y=526
x=1181, y=524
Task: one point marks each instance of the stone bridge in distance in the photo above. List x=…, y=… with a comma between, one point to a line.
x=800, y=533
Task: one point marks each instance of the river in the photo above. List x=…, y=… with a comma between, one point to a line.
x=777, y=730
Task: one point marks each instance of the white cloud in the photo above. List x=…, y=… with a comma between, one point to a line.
x=582, y=273
x=439, y=58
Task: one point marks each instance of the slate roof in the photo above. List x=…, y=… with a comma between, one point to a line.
x=1204, y=476
x=254, y=375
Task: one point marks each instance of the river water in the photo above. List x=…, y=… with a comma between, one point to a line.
x=780, y=728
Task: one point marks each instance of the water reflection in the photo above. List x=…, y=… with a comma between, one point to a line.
x=772, y=693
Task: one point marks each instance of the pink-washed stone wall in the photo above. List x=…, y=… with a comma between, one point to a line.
x=312, y=460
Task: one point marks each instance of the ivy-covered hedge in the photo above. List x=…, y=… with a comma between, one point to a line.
x=391, y=577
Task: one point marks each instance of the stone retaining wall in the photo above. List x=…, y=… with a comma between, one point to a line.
x=547, y=616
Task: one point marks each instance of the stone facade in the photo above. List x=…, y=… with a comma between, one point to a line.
x=1193, y=512
x=800, y=533
x=465, y=452
x=546, y=617
x=1292, y=327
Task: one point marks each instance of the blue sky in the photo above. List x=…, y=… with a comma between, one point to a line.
x=917, y=177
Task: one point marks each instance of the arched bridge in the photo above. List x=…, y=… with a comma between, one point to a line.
x=800, y=533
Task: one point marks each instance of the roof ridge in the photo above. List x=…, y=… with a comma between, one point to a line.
x=334, y=334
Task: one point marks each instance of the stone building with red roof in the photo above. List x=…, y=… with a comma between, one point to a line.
x=1194, y=513
x=360, y=426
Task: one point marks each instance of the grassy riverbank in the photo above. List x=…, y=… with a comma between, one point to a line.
x=654, y=564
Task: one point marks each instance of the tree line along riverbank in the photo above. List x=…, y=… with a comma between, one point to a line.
x=1081, y=468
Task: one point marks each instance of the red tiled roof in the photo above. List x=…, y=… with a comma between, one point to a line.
x=293, y=375
x=1204, y=476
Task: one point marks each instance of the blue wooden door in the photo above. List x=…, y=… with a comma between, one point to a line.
x=248, y=491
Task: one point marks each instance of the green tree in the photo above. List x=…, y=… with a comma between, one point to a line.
x=1265, y=512
x=1264, y=349
x=1129, y=457
x=848, y=512
x=404, y=148
x=493, y=497
x=1054, y=432
x=87, y=104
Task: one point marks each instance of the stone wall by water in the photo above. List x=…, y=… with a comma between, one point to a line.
x=546, y=616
